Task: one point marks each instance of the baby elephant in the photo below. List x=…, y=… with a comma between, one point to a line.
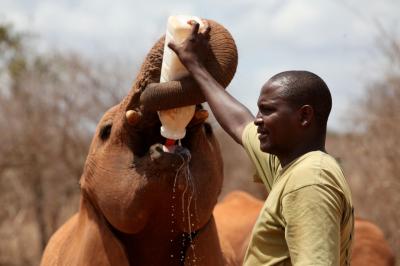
x=140, y=205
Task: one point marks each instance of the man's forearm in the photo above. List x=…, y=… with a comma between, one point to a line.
x=230, y=113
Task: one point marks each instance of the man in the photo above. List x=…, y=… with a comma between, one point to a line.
x=308, y=216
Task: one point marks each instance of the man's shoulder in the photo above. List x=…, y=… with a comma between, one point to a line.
x=316, y=168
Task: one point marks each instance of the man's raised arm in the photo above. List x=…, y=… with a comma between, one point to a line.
x=229, y=112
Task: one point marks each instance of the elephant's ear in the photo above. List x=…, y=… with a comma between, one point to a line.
x=172, y=94
x=221, y=61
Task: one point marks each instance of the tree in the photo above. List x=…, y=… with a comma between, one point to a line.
x=379, y=151
x=49, y=106
x=370, y=154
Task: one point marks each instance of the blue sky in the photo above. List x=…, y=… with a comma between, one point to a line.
x=334, y=39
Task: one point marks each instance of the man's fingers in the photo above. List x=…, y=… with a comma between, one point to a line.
x=206, y=26
x=172, y=46
x=195, y=28
x=207, y=32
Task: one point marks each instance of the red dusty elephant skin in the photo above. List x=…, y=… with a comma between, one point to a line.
x=140, y=205
x=235, y=216
x=237, y=213
x=370, y=247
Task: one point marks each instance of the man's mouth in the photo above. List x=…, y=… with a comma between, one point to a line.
x=262, y=136
x=262, y=133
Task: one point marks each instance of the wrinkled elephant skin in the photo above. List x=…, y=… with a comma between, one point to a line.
x=140, y=205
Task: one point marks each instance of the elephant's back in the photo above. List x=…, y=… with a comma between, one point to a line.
x=370, y=246
x=235, y=216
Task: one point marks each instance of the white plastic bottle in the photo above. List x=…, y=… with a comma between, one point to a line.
x=174, y=121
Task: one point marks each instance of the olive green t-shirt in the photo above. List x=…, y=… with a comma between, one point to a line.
x=308, y=217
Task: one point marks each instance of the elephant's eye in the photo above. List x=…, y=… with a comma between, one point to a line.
x=208, y=129
x=105, y=131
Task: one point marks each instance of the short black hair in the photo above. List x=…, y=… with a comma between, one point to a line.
x=306, y=88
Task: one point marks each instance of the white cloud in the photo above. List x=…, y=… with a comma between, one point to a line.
x=331, y=38
x=295, y=15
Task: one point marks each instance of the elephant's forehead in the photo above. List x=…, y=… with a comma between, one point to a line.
x=109, y=114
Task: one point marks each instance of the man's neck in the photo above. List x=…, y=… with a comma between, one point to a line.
x=301, y=150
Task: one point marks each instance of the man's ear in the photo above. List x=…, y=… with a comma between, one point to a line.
x=306, y=115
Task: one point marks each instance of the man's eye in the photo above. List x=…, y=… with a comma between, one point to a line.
x=105, y=132
x=266, y=110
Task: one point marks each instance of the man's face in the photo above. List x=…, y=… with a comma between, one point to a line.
x=276, y=120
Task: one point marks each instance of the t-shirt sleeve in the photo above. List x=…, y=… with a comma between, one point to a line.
x=266, y=164
x=312, y=216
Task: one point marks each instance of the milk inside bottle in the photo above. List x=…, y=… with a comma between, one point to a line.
x=174, y=121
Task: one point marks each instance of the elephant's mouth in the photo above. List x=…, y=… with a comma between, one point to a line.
x=178, y=156
x=182, y=147
x=147, y=129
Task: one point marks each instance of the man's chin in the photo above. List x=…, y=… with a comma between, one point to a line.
x=268, y=148
x=265, y=148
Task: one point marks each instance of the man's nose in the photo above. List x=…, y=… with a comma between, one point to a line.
x=258, y=119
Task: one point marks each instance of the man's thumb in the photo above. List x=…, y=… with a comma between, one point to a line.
x=172, y=46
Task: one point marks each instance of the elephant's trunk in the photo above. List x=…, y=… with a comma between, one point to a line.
x=167, y=95
x=221, y=62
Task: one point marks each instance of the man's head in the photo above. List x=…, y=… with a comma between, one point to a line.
x=293, y=111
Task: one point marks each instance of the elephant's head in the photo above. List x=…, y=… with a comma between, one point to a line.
x=129, y=179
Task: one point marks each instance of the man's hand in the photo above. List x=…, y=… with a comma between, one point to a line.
x=194, y=49
x=230, y=113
